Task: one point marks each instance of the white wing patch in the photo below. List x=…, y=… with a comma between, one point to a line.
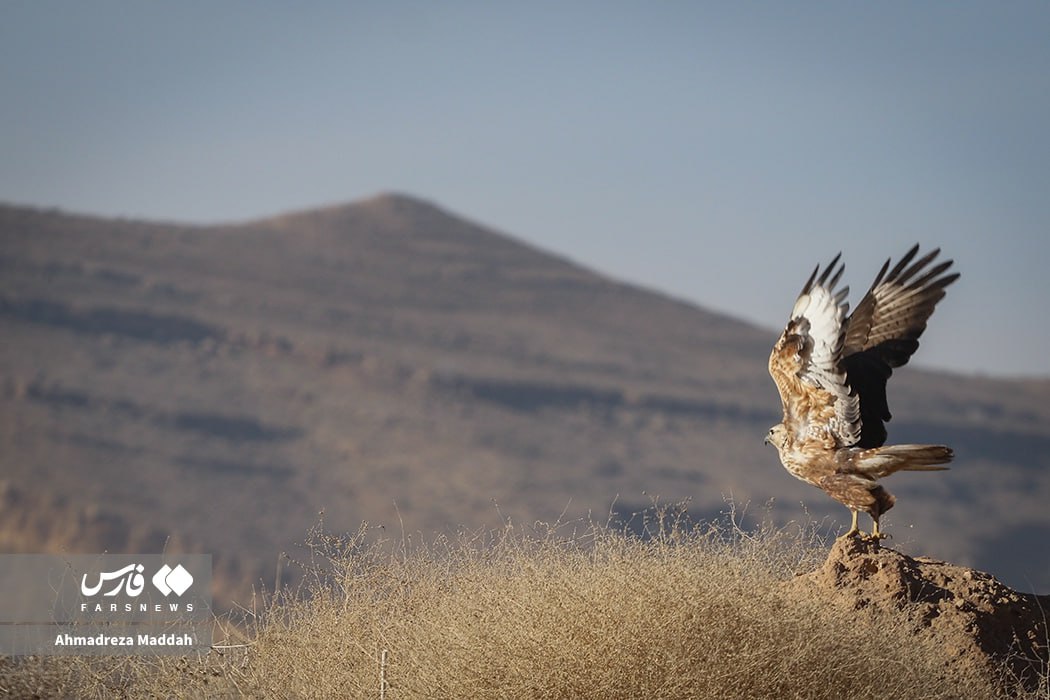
x=819, y=314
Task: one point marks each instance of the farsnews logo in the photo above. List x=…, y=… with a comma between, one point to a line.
x=120, y=591
x=169, y=580
x=129, y=578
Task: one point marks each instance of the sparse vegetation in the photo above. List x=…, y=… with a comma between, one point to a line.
x=572, y=611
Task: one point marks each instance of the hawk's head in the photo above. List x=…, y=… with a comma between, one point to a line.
x=777, y=436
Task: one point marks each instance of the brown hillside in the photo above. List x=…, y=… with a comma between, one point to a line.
x=388, y=361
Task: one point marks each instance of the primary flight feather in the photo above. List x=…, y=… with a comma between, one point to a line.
x=831, y=371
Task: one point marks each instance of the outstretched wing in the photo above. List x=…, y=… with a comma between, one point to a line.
x=805, y=364
x=883, y=333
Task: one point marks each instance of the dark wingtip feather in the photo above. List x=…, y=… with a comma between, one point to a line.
x=918, y=265
x=882, y=273
x=809, y=283
x=831, y=267
x=903, y=263
x=836, y=277
x=948, y=279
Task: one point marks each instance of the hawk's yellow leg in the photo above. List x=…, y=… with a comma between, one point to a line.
x=853, y=529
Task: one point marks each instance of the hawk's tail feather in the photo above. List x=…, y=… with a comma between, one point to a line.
x=883, y=461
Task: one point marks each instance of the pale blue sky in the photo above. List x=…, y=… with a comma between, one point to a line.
x=715, y=151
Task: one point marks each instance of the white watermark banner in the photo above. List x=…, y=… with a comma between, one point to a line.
x=105, y=603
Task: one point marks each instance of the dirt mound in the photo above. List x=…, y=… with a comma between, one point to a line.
x=978, y=621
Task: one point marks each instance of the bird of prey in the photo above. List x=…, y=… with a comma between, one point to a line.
x=831, y=371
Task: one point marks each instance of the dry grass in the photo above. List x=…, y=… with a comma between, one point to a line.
x=541, y=613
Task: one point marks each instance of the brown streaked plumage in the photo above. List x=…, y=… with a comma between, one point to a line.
x=831, y=371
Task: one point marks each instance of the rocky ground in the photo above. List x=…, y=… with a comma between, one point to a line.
x=980, y=622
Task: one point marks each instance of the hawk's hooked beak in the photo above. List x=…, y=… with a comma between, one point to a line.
x=765, y=440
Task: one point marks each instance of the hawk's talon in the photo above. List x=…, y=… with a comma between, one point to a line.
x=877, y=534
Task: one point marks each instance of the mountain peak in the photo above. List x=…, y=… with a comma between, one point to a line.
x=399, y=210
x=395, y=201
x=389, y=212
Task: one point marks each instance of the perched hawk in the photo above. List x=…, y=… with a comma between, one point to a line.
x=831, y=371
